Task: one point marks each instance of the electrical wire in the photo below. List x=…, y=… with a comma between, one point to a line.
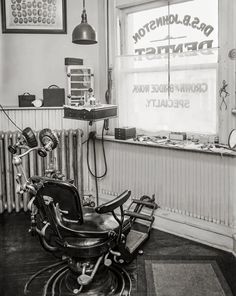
x=108, y=42
x=10, y=119
x=104, y=156
x=60, y=275
x=39, y=272
x=85, y=141
x=48, y=283
x=94, y=174
x=95, y=169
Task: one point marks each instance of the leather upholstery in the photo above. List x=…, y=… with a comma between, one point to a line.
x=76, y=231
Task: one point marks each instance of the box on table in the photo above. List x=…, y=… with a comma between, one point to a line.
x=125, y=133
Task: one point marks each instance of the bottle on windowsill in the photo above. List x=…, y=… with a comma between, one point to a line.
x=92, y=101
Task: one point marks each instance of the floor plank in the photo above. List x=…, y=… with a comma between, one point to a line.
x=21, y=255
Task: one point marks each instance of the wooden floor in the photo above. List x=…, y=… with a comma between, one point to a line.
x=21, y=256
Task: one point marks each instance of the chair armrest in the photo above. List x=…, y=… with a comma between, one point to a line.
x=113, y=204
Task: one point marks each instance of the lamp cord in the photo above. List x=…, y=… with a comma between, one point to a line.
x=108, y=45
x=10, y=119
x=83, y=4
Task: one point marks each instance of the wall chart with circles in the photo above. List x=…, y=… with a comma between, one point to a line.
x=34, y=14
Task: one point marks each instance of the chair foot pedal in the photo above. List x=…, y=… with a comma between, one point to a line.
x=135, y=239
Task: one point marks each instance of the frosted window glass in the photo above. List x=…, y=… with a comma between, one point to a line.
x=149, y=103
x=167, y=79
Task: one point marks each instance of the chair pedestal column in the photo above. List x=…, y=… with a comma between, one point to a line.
x=107, y=281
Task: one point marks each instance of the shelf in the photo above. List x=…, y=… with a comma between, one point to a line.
x=88, y=113
x=6, y=108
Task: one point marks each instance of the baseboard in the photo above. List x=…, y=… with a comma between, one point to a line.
x=211, y=234
x=208, y=233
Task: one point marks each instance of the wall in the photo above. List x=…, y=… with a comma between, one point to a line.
x=31, y=62
x=196, y=191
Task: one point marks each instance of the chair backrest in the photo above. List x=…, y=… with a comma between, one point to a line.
x=66, y=196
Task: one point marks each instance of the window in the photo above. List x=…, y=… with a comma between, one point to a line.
x=166, y=70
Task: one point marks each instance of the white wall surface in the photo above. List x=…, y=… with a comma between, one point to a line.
x=31, y=62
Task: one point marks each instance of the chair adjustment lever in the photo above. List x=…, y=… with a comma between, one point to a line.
x=63, y=211
x=85, y=279
x=43, y=230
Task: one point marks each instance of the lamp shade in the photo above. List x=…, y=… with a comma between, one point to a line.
x=84, y=33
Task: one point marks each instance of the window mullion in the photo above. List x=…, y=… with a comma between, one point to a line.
x=227, y=69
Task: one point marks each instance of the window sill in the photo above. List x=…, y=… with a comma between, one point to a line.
x=180, y=145
x=8, y=108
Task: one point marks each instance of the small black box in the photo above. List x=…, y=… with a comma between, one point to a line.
x=90, y=114
x=73, y=61
x=125, y=133
x=53, y=96
x=26, y=100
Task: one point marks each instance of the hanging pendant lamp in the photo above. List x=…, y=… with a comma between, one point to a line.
x=84, y=33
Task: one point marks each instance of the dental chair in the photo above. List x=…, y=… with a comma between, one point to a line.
x=93, y=243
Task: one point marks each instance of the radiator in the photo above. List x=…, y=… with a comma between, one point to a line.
x=67, y=158
x=199, y=185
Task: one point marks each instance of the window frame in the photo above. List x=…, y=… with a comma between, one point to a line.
x=226, y=40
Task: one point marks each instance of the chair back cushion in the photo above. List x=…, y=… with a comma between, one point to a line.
x=66, y=196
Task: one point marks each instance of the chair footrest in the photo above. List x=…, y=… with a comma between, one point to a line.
x=139, y=216
x=135, y=239
x=145, y=203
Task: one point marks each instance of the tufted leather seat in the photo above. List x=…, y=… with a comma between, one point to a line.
x=71, y=229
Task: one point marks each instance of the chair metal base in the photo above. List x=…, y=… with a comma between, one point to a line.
x=108, y=281
x=112, y=280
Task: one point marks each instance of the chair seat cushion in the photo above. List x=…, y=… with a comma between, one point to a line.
x=93, y=246
x=90, y=239
x=95, y=222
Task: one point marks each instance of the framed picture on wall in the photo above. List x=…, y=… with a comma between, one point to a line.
x=34, y=16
